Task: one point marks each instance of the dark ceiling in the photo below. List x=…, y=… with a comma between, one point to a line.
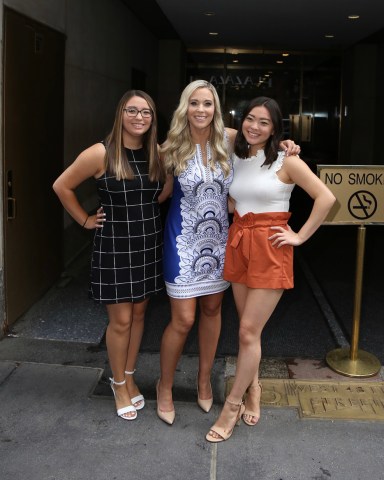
x=290, y=25
x=291, y=49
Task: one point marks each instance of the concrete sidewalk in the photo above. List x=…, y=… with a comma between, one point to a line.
x=53, y=428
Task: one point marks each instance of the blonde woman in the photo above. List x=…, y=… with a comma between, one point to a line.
x=196, y=155
x=126, y=268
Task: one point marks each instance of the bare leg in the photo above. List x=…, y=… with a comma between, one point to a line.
x=240, y=293
x=172, y=343
x=209, y=333
x=259, y=306
x=137, y=330
x=117, y=340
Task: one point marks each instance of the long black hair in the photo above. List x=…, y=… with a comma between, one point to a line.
x=272, y=145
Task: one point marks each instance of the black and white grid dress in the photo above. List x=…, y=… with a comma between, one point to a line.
x=126, y=261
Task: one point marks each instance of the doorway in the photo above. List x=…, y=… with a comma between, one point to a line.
x=33, y=119
x=306, y=85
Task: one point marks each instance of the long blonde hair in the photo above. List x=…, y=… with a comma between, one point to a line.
x=115, y=157
x=178, y=148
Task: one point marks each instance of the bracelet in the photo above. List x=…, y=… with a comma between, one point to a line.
x=85, y=221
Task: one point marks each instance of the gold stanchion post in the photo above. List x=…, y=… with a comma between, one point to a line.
x=353, y=362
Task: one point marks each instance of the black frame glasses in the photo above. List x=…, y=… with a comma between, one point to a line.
x=133, y=112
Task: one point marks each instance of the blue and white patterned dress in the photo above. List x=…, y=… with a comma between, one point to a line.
x=196, y=230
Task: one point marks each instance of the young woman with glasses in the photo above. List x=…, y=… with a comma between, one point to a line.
x=126, y=267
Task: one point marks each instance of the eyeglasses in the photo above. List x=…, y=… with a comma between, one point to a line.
x=133, y=112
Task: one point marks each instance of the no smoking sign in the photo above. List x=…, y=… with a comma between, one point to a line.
x=359, y=192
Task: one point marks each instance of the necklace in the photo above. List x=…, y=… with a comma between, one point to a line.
x=136, y=147
x=205, y=151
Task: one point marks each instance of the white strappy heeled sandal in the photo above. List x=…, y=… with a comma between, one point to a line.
x=139, y=399
x=122, y=411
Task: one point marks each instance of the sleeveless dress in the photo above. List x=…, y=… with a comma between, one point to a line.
x=126, y=261
x=196, y=230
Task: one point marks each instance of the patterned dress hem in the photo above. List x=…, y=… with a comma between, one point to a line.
x=198, y=290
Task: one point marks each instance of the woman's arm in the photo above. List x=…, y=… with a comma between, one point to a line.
x=90, y=163
x=168, y=185
x=231, y=204
x=231, y=133
x=296, y=171
x=167, y=189
x=289, y=146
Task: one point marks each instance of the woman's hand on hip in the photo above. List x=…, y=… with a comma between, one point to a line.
x=96, y=221
x=285, y=237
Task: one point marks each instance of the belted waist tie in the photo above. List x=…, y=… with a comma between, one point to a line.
x=243, y=225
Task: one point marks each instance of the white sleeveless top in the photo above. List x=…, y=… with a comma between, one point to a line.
x=258, y=189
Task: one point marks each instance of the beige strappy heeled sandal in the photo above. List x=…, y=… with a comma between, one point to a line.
x=250, y=413
x=221, y=432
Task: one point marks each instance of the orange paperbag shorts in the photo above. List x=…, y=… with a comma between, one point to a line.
x=250, y=257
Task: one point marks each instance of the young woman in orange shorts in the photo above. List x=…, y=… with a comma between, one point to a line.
x=259, y=252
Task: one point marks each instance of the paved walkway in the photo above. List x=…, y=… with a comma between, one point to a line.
x=53, y=429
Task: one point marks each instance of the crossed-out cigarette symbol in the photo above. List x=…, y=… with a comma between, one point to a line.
x=362, y=205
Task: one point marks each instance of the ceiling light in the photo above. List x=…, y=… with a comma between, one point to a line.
x=279, y=61
x=213, y=33
x=353, y=17
x=209, y=14
x=285, y=54
x=329, y=36
x=235, y=60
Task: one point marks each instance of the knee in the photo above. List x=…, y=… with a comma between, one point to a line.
x=210, y=308
x=138, y=312
x=210, y=311
x=119, y=327
x=138, y=318
x=120, y=318
x=247, y=335
x=183, y=324
x=119, y=324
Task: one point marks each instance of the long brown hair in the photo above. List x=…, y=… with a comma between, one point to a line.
x=115, y=157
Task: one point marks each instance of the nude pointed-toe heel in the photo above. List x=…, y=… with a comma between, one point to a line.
x=204, y=404
x=167, y=417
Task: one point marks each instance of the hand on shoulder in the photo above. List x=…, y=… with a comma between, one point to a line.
x=231, y=132
x=290, y=147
